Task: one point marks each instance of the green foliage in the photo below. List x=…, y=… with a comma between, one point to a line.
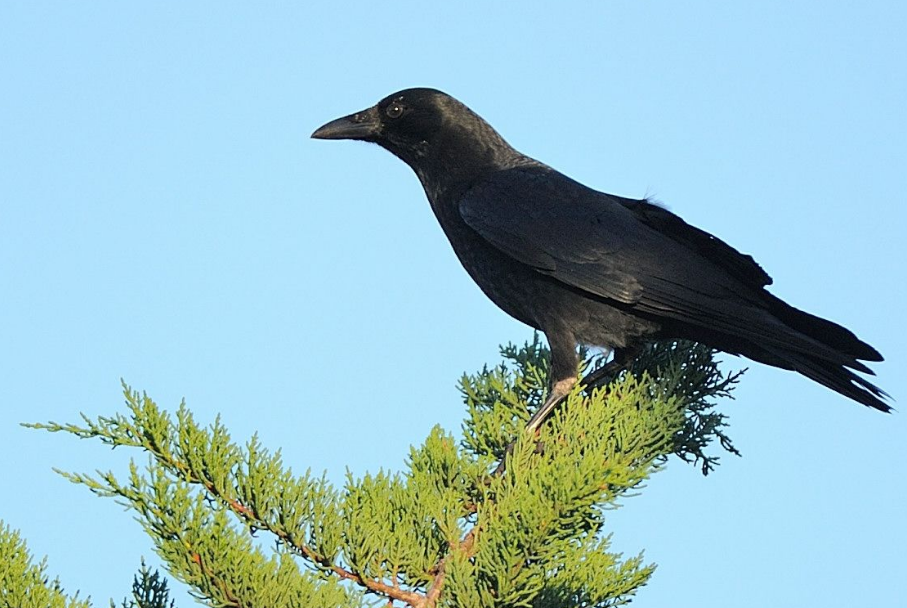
x=24, y=584
x=149, y=590
x=501, y=400
x=445, y=531
x=689, y=372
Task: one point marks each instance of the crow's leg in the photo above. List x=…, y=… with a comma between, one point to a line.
x=559, y=390
x=607, y=372
x=563, y=374
x=563, y=378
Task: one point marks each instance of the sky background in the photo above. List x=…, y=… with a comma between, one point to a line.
x=165, y=219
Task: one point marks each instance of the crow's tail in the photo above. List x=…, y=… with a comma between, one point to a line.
x=833, y=375
x=819, y=349
x=832, y=335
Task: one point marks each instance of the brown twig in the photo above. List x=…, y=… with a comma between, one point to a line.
x=394, y=592
x=416, y=600
x=437, y=584
x=218, y=582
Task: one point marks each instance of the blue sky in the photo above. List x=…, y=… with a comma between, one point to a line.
x=165, y=218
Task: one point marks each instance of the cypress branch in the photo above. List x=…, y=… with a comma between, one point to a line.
x=442, y=532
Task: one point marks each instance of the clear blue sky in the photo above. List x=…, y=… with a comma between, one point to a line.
x=165, y=218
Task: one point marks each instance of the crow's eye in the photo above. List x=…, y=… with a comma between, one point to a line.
x=395, y=110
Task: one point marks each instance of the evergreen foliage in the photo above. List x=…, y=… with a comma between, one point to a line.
x=24, y=584
x=444, y=531
x=149, y=590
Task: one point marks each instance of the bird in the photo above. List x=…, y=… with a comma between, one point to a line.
x=586, y=267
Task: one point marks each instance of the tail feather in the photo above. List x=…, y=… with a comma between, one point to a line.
x=829, y=333
x=836, y=377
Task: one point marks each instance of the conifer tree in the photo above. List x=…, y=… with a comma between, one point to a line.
x=25, y=584
x=234, y=524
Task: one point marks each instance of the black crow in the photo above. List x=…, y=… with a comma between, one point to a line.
x=587, y=267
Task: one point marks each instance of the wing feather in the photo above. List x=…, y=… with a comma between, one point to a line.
x=601, y=245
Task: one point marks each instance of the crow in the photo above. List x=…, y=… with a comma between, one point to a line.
x=585, y=267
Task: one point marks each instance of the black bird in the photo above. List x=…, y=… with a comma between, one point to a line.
x=587, y=267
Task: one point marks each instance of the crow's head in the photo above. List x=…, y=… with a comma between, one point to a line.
x=405, y=119
x=426, y=128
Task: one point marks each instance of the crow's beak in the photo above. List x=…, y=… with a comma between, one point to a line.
x=362, y=125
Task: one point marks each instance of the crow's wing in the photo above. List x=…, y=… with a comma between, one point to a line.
x=590, y=241
x=545, y=221
x=742, y=266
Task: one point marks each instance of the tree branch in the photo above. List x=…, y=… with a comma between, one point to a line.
x=412, y=598
x=437, y=584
